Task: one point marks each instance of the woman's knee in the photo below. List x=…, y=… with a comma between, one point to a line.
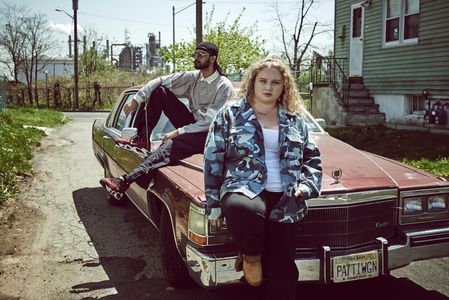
x=240, y=206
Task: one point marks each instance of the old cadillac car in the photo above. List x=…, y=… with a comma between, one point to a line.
x=374, y=214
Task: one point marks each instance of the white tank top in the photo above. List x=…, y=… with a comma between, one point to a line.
x=271, y=143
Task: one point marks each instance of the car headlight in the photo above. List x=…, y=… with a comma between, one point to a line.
x=204, y=232
x=413, y=205
x=437, y=203
x=421, y=206
x=197, y=225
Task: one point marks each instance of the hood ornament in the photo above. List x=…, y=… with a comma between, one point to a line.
x=336, y=174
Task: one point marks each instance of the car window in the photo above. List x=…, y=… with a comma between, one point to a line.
x=123, y=120
x=162, y=127
x=310, y=121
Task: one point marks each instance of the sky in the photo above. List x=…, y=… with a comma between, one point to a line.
x=139, y=17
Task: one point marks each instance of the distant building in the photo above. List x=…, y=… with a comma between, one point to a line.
x=153, y=59
x=125, y=59
x=130, y=58
x=54, y=66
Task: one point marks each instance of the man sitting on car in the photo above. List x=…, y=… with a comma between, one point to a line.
x=207, y=89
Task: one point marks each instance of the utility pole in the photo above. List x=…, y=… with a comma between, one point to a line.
x=173, y=48
x=199, y=21
x=70, y=46
x=75, y=21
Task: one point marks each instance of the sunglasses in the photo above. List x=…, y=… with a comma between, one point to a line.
x=199, y=55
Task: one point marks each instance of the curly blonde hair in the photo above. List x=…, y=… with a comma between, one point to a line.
x=290, y=98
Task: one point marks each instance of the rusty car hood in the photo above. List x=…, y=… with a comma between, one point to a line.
x=360, y=170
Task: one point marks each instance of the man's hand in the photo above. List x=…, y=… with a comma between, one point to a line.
x=170, y=135
x=130, y=107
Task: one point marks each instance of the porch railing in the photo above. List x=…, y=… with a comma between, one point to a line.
x=331, y=71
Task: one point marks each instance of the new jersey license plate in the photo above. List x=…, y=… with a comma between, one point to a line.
x=356, y=266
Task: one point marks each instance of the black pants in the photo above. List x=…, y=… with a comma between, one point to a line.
x=173, y=150
x=247, y=220
x=162, y=100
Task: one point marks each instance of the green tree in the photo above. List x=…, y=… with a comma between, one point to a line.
x=238, y=46
x=94, y=59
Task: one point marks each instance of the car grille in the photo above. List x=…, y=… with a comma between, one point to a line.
x=343, y=227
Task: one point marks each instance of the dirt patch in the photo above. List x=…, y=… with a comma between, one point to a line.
x=18, y=221
x=19, y=218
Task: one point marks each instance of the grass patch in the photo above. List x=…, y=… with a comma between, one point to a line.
x=37, y=117
x=420, y=149
x=17, y=143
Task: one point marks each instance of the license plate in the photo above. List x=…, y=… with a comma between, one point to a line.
x=356, y=266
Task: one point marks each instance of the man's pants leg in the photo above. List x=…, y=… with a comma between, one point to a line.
x=169, y=152
x=162, y=100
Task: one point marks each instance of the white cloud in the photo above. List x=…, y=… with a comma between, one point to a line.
x=66, y=28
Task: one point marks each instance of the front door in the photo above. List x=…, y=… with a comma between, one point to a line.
x=356, y=40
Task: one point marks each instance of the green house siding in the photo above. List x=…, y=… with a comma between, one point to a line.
x=405, y=69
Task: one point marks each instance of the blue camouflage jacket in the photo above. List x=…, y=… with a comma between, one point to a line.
x=234, y=160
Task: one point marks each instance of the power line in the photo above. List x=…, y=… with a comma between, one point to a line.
x=126, y=20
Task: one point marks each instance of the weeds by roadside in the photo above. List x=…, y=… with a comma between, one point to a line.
x=17, y=143
x=420, y=149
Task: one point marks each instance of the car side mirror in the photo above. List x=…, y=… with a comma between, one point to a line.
x=321, y=122
x=128, y=132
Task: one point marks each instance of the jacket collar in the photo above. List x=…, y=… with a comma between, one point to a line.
x=284, y=123
x=248, y=113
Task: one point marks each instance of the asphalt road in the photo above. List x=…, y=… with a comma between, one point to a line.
x=87, y=249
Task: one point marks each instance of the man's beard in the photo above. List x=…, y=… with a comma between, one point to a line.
x=201, y=66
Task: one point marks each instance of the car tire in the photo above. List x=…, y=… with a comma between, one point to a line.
x=111, y=199
x=175, y=269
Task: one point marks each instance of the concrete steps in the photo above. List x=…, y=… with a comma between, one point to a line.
x=360, y=107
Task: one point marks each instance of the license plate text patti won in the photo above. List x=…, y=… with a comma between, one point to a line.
x=356, y=266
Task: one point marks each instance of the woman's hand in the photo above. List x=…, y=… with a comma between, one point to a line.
x=298, y=193
x=215, y=214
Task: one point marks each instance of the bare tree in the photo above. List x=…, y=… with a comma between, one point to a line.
x=296, y=41
x=40, y=44
x=12, y=39
x=26, y=41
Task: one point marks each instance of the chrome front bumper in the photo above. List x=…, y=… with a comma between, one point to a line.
x=214, y=271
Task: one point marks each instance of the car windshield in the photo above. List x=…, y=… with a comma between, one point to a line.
x=164, y=126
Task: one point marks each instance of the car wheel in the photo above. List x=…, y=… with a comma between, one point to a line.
x=174, y=267
x=111, y=199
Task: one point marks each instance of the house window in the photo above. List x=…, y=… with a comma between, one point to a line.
x=417, y=103
x=401, y=22
x=357, y=22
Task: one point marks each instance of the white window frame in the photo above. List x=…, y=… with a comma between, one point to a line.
x=416, y=100
x=401, y=41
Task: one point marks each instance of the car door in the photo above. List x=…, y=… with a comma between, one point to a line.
x=122, y=161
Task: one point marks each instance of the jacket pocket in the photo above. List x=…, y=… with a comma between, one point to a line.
x=241, y=142
x=295, y=137
x=293, y=148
